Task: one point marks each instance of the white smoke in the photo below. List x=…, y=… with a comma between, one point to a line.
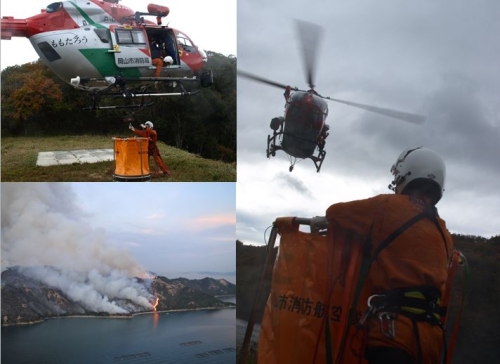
x=43, y=228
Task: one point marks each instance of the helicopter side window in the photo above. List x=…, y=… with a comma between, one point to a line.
x=130, y=37
x=103, y=34
x=185, y=43
x=138, y=37
x=123, y=36
x=52, y=8
x=49, y=52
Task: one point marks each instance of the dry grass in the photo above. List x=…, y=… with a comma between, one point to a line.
x=19, y=155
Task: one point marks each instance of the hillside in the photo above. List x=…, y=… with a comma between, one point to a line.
x=479, y=336
x=35, y=102
x=176, y=294
x=249, y=263
x=210, y=286
x=27, y=300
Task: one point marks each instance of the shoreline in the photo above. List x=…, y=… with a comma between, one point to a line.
x=124, y=316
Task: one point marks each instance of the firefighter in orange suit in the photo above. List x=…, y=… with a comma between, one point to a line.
x=410, y=252
x=156, y=58
x=153, y=151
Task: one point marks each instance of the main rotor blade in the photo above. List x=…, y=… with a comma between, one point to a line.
x=263, y=80
x=310, y=35
x=401, y=115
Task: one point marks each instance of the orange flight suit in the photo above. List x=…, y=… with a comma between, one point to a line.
x=152, y=148
x=158, y=62
x=417, y=257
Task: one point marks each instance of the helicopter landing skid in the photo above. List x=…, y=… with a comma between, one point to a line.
x=318, y=160
x=271, y=145
x=96, y=98
x=142, y=90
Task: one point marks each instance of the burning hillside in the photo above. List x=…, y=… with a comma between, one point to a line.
x=59, y=265
x=26, y=299
x=46, y=237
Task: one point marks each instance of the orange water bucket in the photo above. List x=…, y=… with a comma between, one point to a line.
x=131, y=159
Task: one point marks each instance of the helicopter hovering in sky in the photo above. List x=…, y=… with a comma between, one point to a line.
x=302, y=131
x=105, y=48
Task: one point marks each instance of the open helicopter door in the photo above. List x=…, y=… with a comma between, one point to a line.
x=129, y=47
x=167, y=43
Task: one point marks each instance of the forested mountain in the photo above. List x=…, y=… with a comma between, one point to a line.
x=479, y=336
x=36, y=102
x=214, y=287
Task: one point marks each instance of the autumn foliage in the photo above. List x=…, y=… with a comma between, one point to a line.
x=28, y=91
x=36, y=102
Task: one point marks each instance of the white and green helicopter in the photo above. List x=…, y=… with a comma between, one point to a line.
x=106, y=49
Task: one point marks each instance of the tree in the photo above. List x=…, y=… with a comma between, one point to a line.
x=27, y=91
x=36, y=101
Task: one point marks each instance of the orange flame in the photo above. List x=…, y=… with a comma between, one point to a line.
x=155, y=303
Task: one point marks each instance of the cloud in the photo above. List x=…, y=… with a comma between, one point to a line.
x=208, y=222
x=293, y=183
x=438, y=59
x=157, y=216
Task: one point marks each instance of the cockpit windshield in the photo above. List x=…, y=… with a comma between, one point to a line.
x=52, y=8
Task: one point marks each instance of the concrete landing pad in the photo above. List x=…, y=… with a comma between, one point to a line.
x=74, y=156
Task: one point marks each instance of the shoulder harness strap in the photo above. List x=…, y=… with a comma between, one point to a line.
x=429, y=212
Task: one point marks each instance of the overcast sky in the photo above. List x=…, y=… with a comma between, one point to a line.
x=437, y=58
x=172, y=229
x=210, y=24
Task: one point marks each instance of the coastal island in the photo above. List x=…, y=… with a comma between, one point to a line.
x=26, y=300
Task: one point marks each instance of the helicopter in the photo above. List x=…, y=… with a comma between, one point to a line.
x=105, y=48
x=302, y=131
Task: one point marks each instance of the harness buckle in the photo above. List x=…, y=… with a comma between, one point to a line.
x=370, y=311
x=387, y=324
x=369, y=301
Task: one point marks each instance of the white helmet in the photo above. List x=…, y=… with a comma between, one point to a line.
x=168, y=60
x=418, y=164
x=149, y=124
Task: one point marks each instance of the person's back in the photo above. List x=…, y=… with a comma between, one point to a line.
x=148, y=133
x=153, y=151
x=410, y=251
x=417, y=260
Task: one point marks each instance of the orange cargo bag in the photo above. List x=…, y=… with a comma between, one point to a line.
x=131, y=158
x=312, y=291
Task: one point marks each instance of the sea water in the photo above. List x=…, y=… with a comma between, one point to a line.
x=202, y=336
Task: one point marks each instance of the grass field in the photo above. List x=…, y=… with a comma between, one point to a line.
x=19, y=155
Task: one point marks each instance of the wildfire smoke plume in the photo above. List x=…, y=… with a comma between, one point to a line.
x=45, y=234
